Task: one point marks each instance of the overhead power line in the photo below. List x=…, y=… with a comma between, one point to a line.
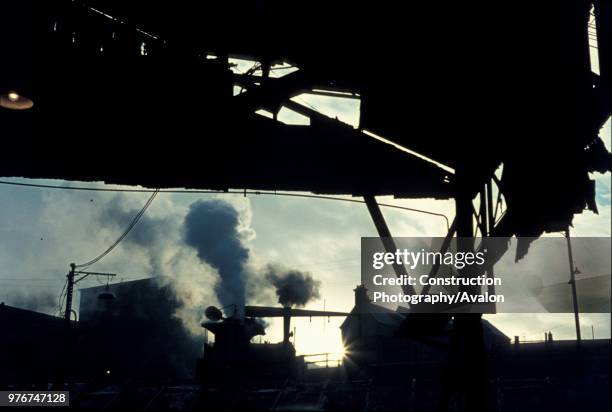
x=123, y=235
x=233, y=192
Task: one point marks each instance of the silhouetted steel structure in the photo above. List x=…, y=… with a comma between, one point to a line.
x=287, y=313
x=133, y=88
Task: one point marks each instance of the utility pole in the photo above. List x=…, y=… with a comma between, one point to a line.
x=66, y=369
x=70, y=287
x=68, y=336
x=572, y=283
x=69, y=292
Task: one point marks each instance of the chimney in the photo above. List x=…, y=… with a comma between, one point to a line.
x=286, y=323
x=361, y=298
x=362, y=301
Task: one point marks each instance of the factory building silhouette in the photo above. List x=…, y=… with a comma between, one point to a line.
x=155, y=346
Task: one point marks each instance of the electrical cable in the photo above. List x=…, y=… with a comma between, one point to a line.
x=60, y=301
x=123, y=235
x=233, y=192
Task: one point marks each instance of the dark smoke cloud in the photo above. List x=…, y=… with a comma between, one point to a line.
x=215, y=231
x=292, y=286
x=160, y=242
x=212, y=228
x=117, y=215
x=151, y=234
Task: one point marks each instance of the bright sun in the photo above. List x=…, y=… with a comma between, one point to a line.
x=317, y=337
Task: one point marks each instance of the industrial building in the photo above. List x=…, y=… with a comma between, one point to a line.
x=154, y=342
x=32, y=347
x=381, y=364
x=141, y=321
x=371, y=337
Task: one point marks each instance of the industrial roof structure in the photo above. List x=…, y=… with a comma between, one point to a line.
x=143, y=91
